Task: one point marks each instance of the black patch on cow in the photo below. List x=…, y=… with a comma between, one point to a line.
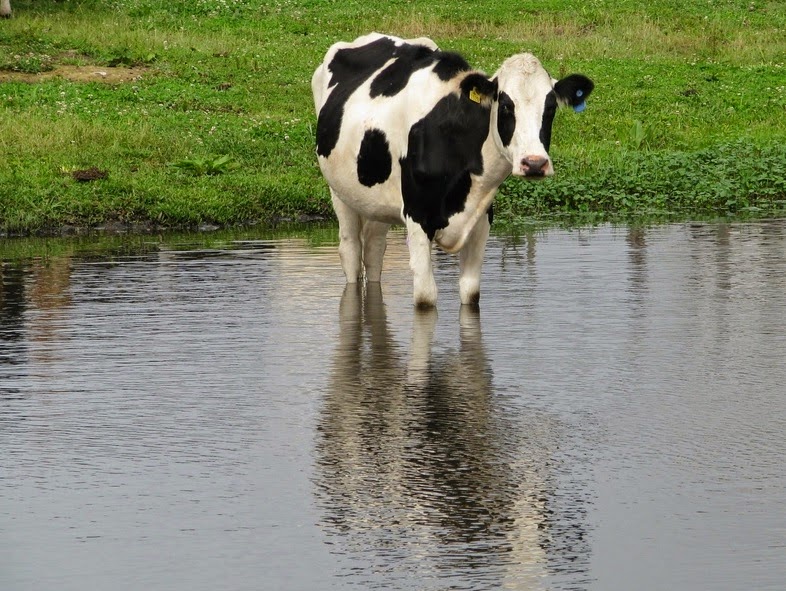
x=394, y=78
x=549, y=111
x=374, y=160
x=349, y=69
x=449, y=65
x=480, y=85
x=444, y=149
x=574, y=89
x=506, y=118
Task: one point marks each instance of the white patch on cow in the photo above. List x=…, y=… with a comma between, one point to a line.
x=419, y=41
x=526, y=82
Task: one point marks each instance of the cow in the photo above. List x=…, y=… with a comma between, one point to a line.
x=410, y=134
x=5, y=8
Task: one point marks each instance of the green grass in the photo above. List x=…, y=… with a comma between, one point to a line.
x=688, y=116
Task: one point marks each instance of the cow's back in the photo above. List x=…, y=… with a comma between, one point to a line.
x=359, y=58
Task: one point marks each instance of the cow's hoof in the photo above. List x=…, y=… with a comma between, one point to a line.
x=425, y=293
x=471, y=299
x=425, y=305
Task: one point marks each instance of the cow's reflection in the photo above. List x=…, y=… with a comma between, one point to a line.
x=421, y=468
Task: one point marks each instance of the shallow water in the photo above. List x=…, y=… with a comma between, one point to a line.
x=176, y=414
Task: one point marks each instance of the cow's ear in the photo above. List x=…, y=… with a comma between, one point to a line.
x=479, y=89
x=573, y=90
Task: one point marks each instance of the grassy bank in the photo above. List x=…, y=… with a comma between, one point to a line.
x=189, y=112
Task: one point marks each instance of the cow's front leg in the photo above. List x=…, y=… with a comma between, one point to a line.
x=375, y=240
x=349, y=247
x=425, y=288
x=471, y=261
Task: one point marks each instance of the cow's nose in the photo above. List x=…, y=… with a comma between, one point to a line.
x=534, y=165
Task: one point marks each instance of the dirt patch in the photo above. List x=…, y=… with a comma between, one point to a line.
x=89, y=174
x=116, y=75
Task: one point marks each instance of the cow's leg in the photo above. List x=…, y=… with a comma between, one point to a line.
x=5, y=8
x=425, y=322
x=471, y=261
x=425, y=288
x=350, y=246
x=374, y=244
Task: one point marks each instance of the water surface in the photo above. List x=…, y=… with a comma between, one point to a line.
x=222, y=413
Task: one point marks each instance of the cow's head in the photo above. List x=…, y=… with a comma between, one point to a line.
x=524, y=112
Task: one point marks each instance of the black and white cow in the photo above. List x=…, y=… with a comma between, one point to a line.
x=410, y=134
x=5, y=8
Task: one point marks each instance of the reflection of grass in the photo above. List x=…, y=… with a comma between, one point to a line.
x=108, y=245
x=677, y=83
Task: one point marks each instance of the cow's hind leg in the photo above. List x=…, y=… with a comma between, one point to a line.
x=350, y=246
x=471, y=261
x=425, y=288
x=374, y=244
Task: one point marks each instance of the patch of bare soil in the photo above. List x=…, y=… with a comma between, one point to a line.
x=115, y=75
x=89, y=174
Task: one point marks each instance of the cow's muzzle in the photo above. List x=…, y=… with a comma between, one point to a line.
x=536, y=166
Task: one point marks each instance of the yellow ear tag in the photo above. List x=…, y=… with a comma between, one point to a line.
x=475, y=96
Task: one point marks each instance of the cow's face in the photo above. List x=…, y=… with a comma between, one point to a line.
x=527, y=102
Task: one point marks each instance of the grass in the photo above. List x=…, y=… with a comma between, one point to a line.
x=200, y=111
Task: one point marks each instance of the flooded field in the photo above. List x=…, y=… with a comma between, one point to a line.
x=220, y=412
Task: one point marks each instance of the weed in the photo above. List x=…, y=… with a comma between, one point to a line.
x=126, y=57
x=638, y=136
x=208, y=166
x=29, y=63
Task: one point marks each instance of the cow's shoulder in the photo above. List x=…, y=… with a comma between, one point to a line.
x=348, y=62
x=444, y=151
x=407, y=59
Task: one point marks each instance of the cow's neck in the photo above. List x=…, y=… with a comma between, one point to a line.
x=496, y=169
x=496, y=166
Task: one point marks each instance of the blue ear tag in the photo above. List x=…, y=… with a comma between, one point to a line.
x=582, y=105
